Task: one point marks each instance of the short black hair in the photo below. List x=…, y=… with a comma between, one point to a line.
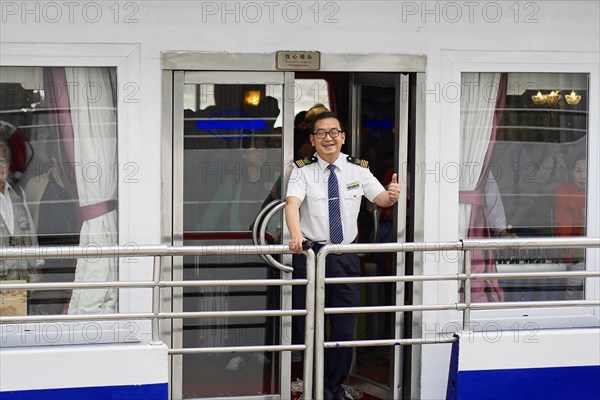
x=323, y=115
x=299, y=118
x=581, y=155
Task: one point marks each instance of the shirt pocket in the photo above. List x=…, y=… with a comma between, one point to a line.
x=352, y=200
x=317, y=202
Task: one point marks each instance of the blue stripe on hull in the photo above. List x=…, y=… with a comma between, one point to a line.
x=579, y=383
x=157, y=391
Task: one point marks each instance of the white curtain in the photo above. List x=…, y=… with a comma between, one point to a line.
x=93, y=114
x=477, y=108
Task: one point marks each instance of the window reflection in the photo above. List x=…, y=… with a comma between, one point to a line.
x=531, y=149
x=232, y=166
x=60, y=126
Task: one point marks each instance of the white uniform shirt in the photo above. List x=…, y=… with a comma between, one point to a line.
x=494, y=206
x=6, y=209
x=309, y=184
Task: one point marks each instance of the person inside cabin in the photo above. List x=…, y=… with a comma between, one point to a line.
x=302, y=126
x=569, y=220
x=236, y=201
x=494, y=208
x=246, y=178
x=16, y=225
x=302, y=146
x=322, y=204
x=301, y=143
x=54, y=212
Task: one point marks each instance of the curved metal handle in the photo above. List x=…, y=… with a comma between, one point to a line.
x=260, y=227
x=261, y=237
x=258, y=222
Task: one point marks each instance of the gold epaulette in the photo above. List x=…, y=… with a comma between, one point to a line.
x=358, y=161
x=305, y=161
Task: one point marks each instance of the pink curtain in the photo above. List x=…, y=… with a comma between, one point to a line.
x=62, y=140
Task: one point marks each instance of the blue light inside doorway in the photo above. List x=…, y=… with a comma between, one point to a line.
x=378, y=123
x=231, y=124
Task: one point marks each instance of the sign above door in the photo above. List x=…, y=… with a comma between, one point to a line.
x=298, y=60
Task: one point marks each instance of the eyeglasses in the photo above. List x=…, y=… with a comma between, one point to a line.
x=322, y=133
x=4, y=163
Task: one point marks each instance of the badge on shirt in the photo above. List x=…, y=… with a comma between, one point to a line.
x=353, y=185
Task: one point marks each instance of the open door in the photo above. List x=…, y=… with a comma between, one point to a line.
x=379, y=109
x=233, y=136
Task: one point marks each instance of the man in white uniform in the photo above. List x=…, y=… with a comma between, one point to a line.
x=322, y=205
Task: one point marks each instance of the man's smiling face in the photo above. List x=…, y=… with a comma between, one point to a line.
x=328, y=148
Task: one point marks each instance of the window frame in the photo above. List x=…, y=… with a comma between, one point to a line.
x=125, y=58
x=453, y=64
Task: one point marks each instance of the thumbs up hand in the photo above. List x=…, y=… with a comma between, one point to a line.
x=394, y=189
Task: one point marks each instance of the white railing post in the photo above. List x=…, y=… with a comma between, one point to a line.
x=320, y=323
x=157, y=266
x=309, y=326
x=467, y=292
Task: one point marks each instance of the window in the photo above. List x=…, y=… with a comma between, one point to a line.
x=524, y=142
x=59, y=143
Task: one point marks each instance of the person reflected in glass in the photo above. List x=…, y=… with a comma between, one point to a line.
x=16, y=225
x=238, y=197
x=569, y=220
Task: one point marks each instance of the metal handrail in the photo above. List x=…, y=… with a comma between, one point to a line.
x=315, y=288
x=466, y=277
x=158, y=252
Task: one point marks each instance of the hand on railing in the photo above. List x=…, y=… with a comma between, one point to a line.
x=307, y=245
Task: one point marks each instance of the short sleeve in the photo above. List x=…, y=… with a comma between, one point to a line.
x=371, y=186
x=296, y=184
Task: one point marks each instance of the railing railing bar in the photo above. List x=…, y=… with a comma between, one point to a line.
x=228, y=314
x=276, y=313
x=24, y=319
x=295, y=282
x=470, y=244
x=535, y=304
x=77, y=285
x=237, y=349
x=530, y=243
x=147, y=284
x=462, y=306
x=149, y=315
x=384, y=309
x=92, y=252
x=388, y=342
x=462, y=277
x=536, y=275
x=136, y=251
x=392, y=279
x=244, y=282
